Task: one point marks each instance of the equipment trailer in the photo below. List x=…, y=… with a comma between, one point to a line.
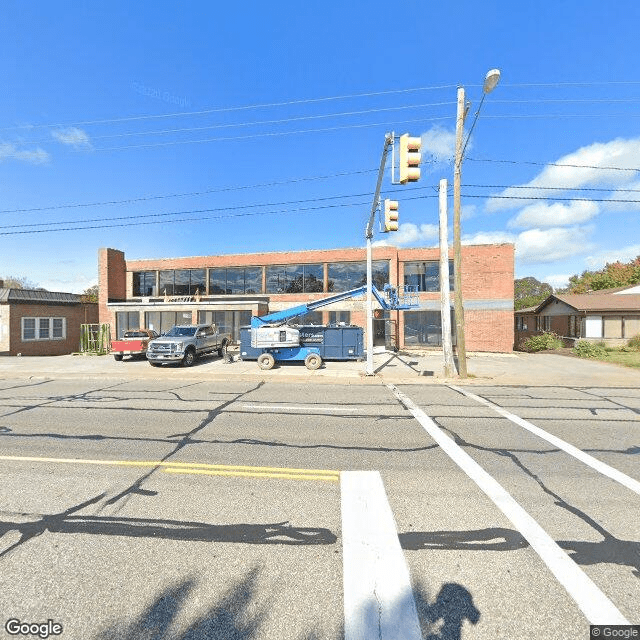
x=280, y=342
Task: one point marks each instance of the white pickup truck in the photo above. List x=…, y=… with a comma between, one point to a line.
x=186, y=343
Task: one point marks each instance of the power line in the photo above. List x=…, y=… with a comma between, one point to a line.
x=270, y=134
x=503, y=186
x=234, y=208
x=188, y=194
x=228, y=109
x=550, y=198
x=553, y=164
x=254, y=123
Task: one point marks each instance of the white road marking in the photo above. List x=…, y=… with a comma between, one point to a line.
x=378, y=598
x=593, y=603
x=299, y=407
x=589, y=460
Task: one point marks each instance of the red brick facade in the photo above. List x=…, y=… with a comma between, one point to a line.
x=74, y=315
x=487, y=280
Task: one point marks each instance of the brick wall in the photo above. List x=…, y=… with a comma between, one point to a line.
x=112, y=283
x=75, y=314
x=488, y=273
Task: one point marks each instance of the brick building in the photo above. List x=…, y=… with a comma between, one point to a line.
x=42, y=323
x=229, y=289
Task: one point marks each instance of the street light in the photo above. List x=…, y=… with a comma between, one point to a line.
x=490, y=82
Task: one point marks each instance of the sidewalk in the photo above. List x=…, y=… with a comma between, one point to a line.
x=402, y=368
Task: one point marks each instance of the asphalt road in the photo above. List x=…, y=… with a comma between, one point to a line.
x=191, y=509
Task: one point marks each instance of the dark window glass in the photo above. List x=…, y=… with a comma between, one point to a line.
x=181, y=280
x=425, y=328
x=426, y=275
x=144, y=283
x=312, y=317
x=126, y=320
x=313, y=278
x=344, y=276
x=217, y=282
x=337, y=317
x=198, y=281
x=167, y=283
x=295, y=278
x=276, y=279
x=235, y=281
x=253, y=280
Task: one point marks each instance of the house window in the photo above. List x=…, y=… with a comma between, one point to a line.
x=35, y=329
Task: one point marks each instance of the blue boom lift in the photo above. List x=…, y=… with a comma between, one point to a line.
x=280, y=342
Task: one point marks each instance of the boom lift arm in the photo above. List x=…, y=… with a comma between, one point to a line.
x=390, y=300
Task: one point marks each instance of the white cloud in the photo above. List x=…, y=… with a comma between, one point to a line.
x=590, y=169
x=409, y=233
x=624, y=254
x=35, y=156
x=489, y=237
x=544, y=214
x=439, y=143
x=550, y=245
x=537, y=246
x=558, y=281
x=72, y=136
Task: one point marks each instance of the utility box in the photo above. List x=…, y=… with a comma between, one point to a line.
x=334, y=342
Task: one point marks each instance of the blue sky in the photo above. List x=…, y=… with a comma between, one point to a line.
x=213, y=128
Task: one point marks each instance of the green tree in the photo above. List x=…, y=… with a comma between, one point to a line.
x=529, y=292
x=90, y=294
x=613, y=274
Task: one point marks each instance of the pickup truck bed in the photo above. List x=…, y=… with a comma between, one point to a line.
x=133, y=343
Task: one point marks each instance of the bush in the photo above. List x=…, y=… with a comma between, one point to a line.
x=543, y=342
x=634, y=343
x=586, y=349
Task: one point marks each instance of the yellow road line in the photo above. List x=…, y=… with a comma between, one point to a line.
x=197, y=467
x=335, y=477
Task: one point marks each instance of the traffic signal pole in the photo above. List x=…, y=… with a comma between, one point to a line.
x=388, y=142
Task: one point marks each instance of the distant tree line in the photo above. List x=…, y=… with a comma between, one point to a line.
x=529, y=292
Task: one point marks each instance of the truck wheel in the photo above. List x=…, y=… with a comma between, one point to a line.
x=313, y=361
x=222, y=351
x=266, y=361
x=189, y=358
x=154, y=364
x=117, y=357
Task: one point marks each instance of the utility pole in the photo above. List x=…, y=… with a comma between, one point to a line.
x=388, y=142
x=445, y=301
x=457, y=249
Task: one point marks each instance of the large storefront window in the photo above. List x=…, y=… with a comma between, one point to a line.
x=126, y=320
x=182, y=282
x=162, y=321
x=144, y=283
x=426, y=275
x=226, y=321
x=235, y=281
x=344, y=276
x=425, y=328
x=295, y=278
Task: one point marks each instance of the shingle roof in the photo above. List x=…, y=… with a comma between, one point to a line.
x=598, y=302
x=34, y=295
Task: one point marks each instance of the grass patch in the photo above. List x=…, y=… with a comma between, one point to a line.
x=626, y=358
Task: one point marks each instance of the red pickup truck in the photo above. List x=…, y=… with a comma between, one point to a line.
x=133, y=343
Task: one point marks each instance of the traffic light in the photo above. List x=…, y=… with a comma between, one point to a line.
x=410, y=157
x=390, y=215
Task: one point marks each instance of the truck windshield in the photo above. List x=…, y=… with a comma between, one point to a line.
x=181, y=331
